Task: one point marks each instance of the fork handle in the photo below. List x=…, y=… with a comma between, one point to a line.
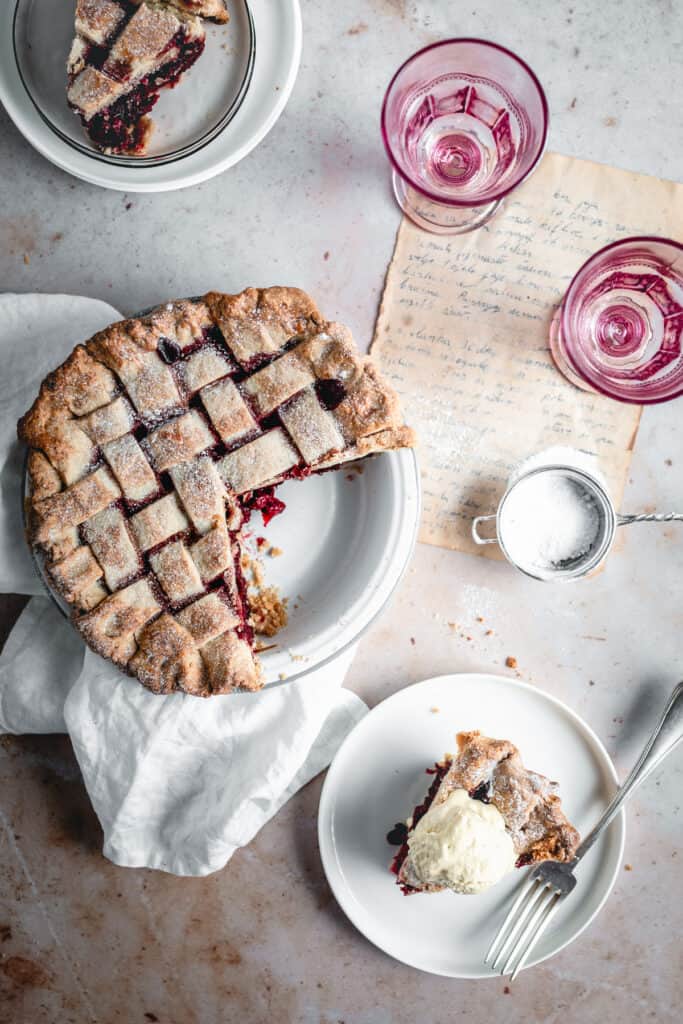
x=667, y=734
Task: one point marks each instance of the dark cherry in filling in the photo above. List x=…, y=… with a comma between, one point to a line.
x=331, y=392
x=169, y=350
x=482, y=793
x=265, y=502
x=398, y=834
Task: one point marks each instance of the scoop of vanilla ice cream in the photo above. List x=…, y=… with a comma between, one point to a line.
x=461, y=843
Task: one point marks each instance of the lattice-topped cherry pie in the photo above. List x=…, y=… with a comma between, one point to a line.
x=123, y=54
x=492, y=771
x=153, y=442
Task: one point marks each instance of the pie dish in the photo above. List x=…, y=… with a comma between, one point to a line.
x=492, y=771
x=154, y=442
x=124, y=52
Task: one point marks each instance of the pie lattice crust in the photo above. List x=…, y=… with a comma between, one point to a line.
x=153, y=440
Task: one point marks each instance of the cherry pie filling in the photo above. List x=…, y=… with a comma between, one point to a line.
x=120, y=127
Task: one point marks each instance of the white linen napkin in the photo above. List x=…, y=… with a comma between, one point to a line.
x=178, y=783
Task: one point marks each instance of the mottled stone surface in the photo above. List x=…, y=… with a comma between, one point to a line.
x=263, y=940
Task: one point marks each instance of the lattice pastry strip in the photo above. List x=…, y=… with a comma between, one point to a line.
x=228, y=412
x=111, y=627
x=313, y=430
x=179, y=440
x=127, y=461
x=108, y=422
x=110, y=540
x=158, y=522
x=176, y=572
x=147, y=444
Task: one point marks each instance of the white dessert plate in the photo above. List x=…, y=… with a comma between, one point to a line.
x=378, y=777
x=346, y=539
x=222, y=107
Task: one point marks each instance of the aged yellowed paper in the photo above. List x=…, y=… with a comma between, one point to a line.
x=462, y=334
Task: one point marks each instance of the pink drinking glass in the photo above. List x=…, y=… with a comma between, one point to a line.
x=464, y=122
x=619, y=330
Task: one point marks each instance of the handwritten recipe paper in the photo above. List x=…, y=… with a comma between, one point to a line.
x=462, y=334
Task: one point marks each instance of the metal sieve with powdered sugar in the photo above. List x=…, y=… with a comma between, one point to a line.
x=555, y=520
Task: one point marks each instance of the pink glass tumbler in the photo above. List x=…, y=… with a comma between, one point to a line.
x=464, y=122
x=619, y=330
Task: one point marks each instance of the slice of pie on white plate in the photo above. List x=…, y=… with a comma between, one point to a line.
x=124, y=52
x=483, y=815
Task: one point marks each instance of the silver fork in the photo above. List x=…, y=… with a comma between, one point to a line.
x=551, y=882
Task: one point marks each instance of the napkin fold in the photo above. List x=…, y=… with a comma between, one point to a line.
x=178, y=783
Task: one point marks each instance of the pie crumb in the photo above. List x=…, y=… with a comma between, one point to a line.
x=282, y=675
x=268, y=611
x=628, y=867
x=452, y=625
x=480, y=618
x=511, y=662
x=27, y=259
x=489, y=632
x=434, y=711
x=275, y=552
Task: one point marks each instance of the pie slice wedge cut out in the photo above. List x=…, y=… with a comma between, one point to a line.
x=491, y=771
x=123, y=54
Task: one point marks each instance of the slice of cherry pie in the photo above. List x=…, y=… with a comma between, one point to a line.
x=123, y=54
x=490, y=771
x=152, y=444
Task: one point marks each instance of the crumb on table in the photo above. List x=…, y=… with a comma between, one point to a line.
x=628, y=867
x=275, y=552
x=434, y=711
x=511, y=662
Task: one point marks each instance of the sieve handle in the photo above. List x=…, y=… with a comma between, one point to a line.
x=475, y=532
x=654, y=517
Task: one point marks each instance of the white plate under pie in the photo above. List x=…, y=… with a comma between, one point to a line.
x=378, y=777
x=222, y=108
x=346, y=538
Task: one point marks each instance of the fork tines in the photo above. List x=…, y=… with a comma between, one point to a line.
x=526, y=921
